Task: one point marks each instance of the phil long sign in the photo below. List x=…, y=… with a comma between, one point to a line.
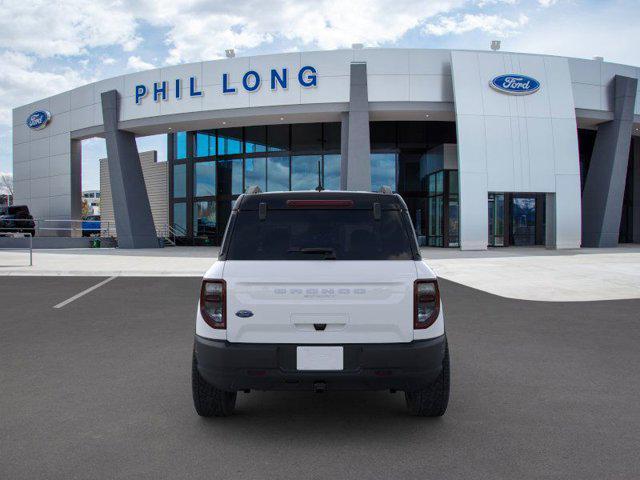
x=515, y=84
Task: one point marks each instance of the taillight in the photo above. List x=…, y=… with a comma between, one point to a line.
x=426, y=303
x=213, y=303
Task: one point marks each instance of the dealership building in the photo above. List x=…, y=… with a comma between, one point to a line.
x=486, y=148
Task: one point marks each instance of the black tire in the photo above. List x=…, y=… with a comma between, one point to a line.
x=433, y=400
x=207, y=399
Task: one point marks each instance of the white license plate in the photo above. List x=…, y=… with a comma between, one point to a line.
x=320, y=358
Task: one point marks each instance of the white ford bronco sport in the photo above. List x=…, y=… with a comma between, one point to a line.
x=320, y=291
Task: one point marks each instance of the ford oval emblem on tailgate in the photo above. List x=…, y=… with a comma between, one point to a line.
x=244, y=313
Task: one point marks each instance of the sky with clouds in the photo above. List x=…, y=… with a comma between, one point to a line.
x=47, y=47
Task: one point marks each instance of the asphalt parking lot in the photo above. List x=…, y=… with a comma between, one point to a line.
x=100, y=388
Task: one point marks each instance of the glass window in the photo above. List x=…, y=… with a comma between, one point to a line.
x=453, y=182
x=277, y=174
x=180, y=180
x=230, y=176
x=204, y=179
x=332, y=172
x=383, y=171
x=306, y=137
x=342, y=234
x=205, y=144
x=180, y=218
x=278, y=137
x=229, y=141
x=255, y=172
x=304, y=172
x=332, y=133
x=204, y=218
x=181, y=145
x=255, y=139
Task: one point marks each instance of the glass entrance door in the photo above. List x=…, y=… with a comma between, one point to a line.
x=523, y=220
x=496, y=220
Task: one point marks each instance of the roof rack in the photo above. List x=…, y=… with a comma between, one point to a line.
x=253, y=189
x=385, y=189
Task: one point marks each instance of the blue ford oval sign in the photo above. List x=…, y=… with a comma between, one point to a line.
x=244, y=313
x=38, y=119
x=515, y=84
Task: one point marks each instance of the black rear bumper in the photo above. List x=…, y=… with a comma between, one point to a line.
x=241, y=366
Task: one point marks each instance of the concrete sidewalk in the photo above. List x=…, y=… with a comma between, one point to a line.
x=520, y=273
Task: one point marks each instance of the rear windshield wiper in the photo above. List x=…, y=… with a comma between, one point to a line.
x=329, y=253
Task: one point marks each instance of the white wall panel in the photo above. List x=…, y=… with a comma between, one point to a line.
x=331, y=89
x=474, y=147
x=59, y=144
x=329, y=64
x=39, y=207
x=587, y=96
x=39, y=187
x=239, y=99
x=430, y=88
x=585, y=71
x=115, y=83
x=429, y=62
x=83, y=117
x=381, y=61
x=60, y=123
x=22, y=189
x=60, y=103
x=500, y=174
x=60, y=164
x=81, y=97
x=39, y=148
x=60, y=185
x=20, y=133
x=212, y=71
x=541, y=155
x=21, y=152
x=388, y=88
x=39, y=168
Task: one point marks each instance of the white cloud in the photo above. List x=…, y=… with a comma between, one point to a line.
x=136, y=63
x=547, y=3
x=491, y=24
x=46, y=28
x=17, y=85
x=325, y=24
x=109, y=60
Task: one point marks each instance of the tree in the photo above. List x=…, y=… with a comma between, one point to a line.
x=86, y=209
x=6, y=188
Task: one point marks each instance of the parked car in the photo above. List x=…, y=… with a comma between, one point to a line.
x=91, y=225
x=17, y=219
x=320, y=291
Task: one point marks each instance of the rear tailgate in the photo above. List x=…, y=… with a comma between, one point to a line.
x=320, y=302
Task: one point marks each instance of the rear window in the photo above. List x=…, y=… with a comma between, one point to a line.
x=320, y=234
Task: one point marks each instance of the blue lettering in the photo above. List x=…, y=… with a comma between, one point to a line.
x=256, y=81
x=310, y=80
x=192, y=88
x=141, y=92
x=178, y=89
x=157, y=91
x=225, y=84
x=275, y=77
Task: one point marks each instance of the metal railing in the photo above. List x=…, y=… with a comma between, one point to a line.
x=20, y=235
x=171, y=233
x=42, y=227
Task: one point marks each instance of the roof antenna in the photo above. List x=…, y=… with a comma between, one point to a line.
x=320, y=187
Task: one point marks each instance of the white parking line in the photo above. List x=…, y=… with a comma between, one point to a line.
x=84, y=292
